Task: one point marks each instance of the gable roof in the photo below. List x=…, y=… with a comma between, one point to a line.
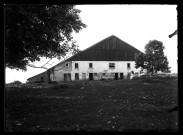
x=110, y=49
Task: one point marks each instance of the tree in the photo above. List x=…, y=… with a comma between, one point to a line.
x=153, y=59
x=35, y=31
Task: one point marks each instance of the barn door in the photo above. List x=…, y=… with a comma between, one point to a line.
x=67, y=77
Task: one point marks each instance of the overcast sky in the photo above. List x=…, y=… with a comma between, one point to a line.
x=134, y=24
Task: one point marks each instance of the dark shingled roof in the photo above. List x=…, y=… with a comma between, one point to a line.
x=109, y=49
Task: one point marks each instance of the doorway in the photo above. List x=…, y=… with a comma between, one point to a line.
x=116, y=76
x=90, y=76
x=67, y=77
x=121, y=75
x=84, y=76
x=76, y=76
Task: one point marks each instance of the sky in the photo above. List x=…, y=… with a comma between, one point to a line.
x=134, y=24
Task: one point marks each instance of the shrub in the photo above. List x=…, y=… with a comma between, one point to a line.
x=17, y=82
x=103, y=79
x=55, y=87
x=53, y=82
x=155, y=77
x=63, y=86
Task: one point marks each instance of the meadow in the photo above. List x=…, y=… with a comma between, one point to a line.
x=108, y=105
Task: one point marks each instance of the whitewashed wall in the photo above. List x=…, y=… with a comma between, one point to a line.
x=102, y=67
x=59, y=71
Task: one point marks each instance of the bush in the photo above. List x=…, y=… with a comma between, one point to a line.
x=59, y=86
x=63, y=86
x=55, y=87
x=39, y=82
x=136, y=78
x=103, y=79
x=155, y=77
x=53, y=82
x=17, y=82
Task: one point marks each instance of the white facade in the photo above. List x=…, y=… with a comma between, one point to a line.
x=100, y=69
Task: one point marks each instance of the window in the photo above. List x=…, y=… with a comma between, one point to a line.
x=103, y=73
x=128, y=65
x=66, y=64
x=76, y=76
x=95, y=74
x=90, y=65
x=76, y=65
x=111, y=65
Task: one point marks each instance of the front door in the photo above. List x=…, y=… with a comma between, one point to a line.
x=116, y=76
x=90, y=76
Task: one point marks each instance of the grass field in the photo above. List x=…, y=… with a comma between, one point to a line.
x=116, y=105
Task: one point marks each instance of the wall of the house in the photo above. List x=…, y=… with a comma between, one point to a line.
x=60, y=70
x=101, y=67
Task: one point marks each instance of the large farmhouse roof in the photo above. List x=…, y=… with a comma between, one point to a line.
x=109, y=49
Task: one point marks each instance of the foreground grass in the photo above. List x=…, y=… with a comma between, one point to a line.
x=123, y=105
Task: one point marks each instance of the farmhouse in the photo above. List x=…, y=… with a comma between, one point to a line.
x=110, y=58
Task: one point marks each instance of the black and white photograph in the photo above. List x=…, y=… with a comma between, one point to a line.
x=91, y=68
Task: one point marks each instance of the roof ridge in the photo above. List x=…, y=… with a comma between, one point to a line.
x=97, y=43
x=92, y=46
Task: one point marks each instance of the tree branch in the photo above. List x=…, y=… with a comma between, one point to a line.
x=47, y=62
x=33, y=66
x=173, y=34
x=43, y=66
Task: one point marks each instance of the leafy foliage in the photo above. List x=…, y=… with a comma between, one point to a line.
x=34, y=31
x=139, y=60
x=153, y=60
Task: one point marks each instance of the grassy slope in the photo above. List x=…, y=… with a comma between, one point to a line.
x=123, y=105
